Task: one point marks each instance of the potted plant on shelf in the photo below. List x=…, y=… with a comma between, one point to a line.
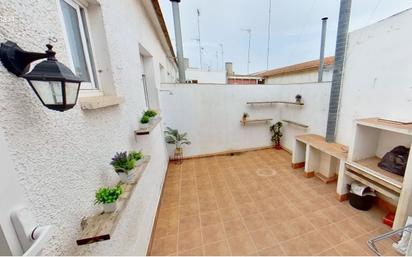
x=174, y=137
x=245, y=116
x=152, y=114
x=298, y=99
x=124, y=166
x=275, y=129
x=108, y=197
x=144, y=122
x=137, y=156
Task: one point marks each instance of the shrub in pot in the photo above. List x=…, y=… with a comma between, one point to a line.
x=145, y=122
x=137, y=156
x=152, y=114
x=275, y=129
x=124, y=166
x=245, y=116
x=108, y=197
x=174, y=137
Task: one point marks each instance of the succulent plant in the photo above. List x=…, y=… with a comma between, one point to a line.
x=122, y=162
x=106, y=195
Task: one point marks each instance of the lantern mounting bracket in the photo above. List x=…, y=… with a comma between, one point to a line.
x=17, y=60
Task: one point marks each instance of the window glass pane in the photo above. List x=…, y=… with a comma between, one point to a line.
x=75, y=41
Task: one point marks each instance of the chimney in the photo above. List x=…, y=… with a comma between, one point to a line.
x=322, y=49
x=179, y=41
x=229, y=68
x=186, y=61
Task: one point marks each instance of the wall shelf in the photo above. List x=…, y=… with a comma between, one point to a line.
x=101, y=226
x=296, y=123
x=274, y=102
x=255, y=121
x=146, y=131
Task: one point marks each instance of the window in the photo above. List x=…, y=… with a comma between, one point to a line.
x=78, y=40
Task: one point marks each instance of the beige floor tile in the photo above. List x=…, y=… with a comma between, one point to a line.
x=272, y=251
x=189, y=240
x=333, y=234
x=235, y=228
x=242, y=245
x=217, y=249
x=189, y=223
x=315, y=242
x=165, y=246
x=329, y=252
x=189, y=209
x=291, y=229
x=254, y=222
x=295, y=247
x=192, y=252
x=230, y=213
x=350, y=228
x=350, y=248
x=213, y=233
x=247, y=209
x=333, y=214
x=210, y=218
x=263, y=238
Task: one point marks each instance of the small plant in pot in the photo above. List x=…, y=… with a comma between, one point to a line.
x=124, y=166
x=108, y=197
x=275, y=129
x=175, y=138
x=152, y=114
x=245, y=116
x=137, y=156
x=298, y=99
x=145, y=122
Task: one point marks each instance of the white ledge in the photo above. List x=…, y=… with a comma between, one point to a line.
x=96, y=102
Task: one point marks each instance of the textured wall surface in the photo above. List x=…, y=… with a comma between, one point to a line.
x=62, y=158
x=377, y=77
x=211, y=114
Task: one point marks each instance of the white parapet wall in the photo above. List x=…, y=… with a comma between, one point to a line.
x=211, y=114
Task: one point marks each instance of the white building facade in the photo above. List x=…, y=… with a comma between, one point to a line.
x=53, y=162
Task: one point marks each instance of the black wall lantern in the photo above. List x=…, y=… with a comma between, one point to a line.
x=54, y=84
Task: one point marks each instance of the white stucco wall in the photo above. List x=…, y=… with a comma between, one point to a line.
x=377, y=77
x=300, y=77
x=211, y=114
x=60, y=159
x=209, y=77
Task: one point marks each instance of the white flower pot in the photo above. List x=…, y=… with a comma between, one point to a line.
x=126, y=178
x=110, y=207
x=145, y=126
x=139, y=162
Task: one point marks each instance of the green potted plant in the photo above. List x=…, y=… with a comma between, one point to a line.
x=275, y=129
x=137, y=156
x=152, y=114
x=175, y=138
x=245, y=116
x=124, y=166
x=144, y=122
x=108, y=197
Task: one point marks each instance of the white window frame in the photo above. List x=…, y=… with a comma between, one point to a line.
x=77, y=5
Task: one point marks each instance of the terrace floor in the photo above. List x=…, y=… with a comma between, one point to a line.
x=255, y=204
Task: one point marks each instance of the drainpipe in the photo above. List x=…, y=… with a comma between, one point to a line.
x=340, y=52
x=179, y=42
x=322, y=49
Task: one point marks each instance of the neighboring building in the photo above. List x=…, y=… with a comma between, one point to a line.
x=196, y=76
x=53, y=162
x=305, y=72
x=236, y=79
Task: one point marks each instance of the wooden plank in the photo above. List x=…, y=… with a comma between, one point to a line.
x=255, y=121
x=372, y=184
x=275, y=102
x=336, y=150
x=100, y=227
x=369, y=167
x=296, y=123
x=146, y=131
x=387, y=125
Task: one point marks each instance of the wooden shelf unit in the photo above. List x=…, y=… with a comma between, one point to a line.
x=146, y=131
x=373, y=138
x=274, y=102
x=100, y=226
x=255, y=121
x=296, y=123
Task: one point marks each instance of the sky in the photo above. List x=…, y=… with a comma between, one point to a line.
x=295, y=29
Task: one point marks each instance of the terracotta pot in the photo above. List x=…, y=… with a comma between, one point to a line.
x=278, y=147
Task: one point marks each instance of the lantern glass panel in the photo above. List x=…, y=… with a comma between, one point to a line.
x=71, y=92
x=50, y=92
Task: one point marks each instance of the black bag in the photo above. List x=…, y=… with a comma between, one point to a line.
x=395, y=161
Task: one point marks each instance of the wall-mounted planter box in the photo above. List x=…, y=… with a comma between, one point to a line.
x=101, y=226
x=146, y=131
x=274, y=102
x=97, y=102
